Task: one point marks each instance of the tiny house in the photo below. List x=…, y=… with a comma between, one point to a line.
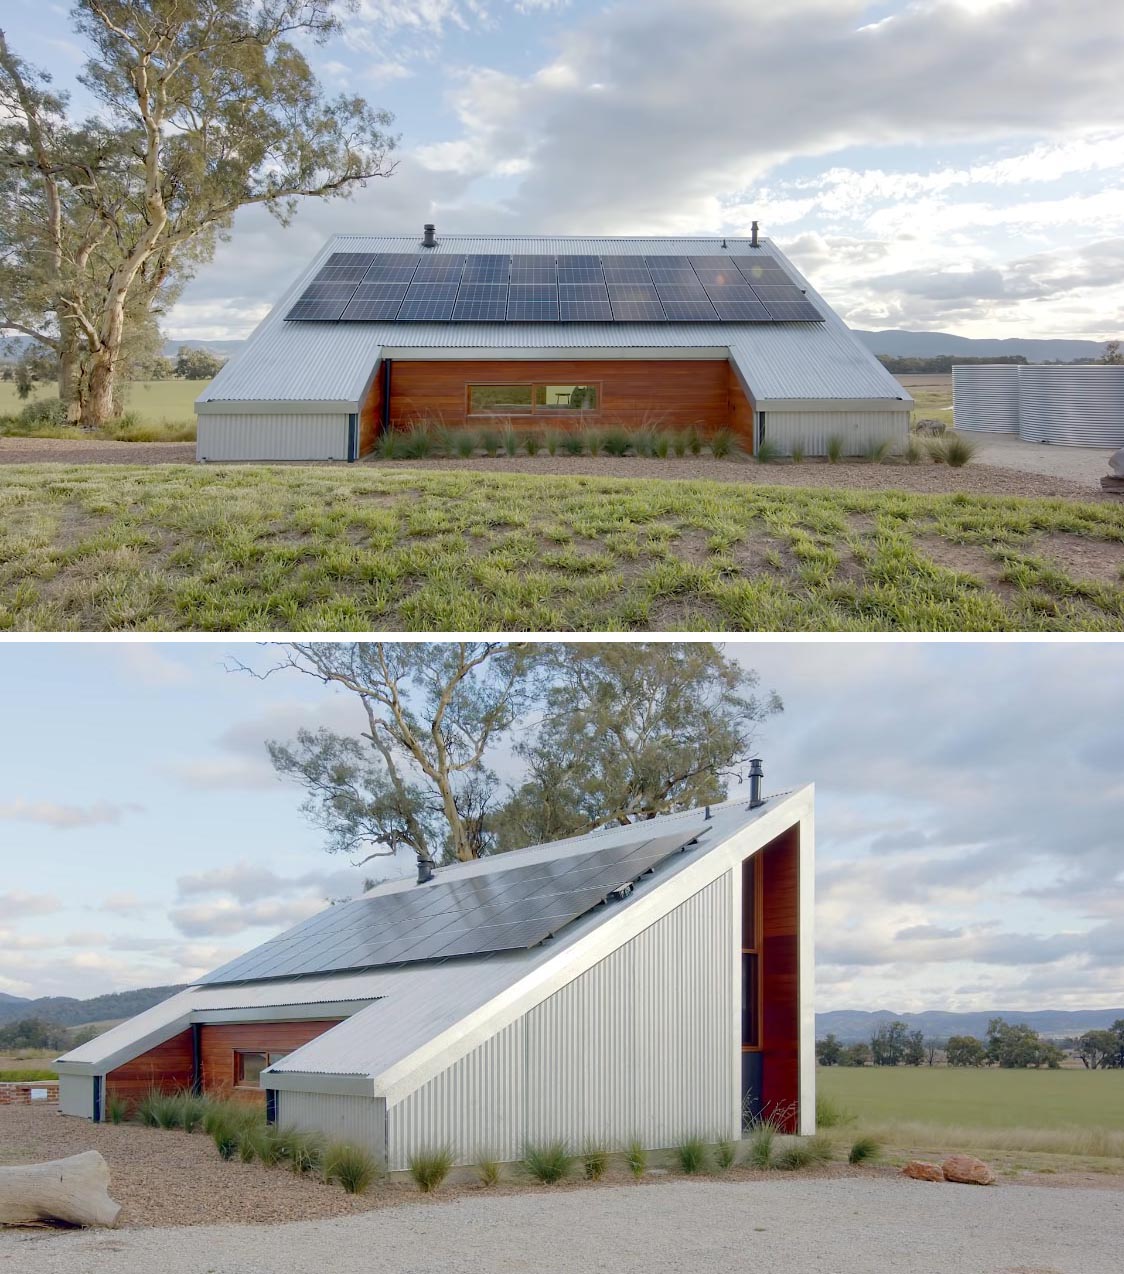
x=643, y=982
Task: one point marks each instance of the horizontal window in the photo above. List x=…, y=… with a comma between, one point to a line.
x=248, y=1066
x=499, y=400
x=566, y=397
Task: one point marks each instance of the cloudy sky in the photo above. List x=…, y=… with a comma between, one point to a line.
x=969, y=806
x=942, y=165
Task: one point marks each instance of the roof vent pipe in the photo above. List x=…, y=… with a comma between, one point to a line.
x=756, y=776
x=425, y=870
x=753, y=236
x=429, y=236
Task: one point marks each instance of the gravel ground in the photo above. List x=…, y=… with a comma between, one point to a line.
x=988, y=478
x=1082, y=464
x=792, y=1226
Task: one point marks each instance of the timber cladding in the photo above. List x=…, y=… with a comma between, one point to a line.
x=780, y=1009
x=168, y=1067
x=632, y=392
x=219, y=1044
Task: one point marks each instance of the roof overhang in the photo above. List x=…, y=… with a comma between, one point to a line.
x=274, y=407
x=546, y=353
x=835, y=404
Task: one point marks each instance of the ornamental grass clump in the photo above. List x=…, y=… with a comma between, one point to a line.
x=510, y=441
x=488, y=1170
x=722, y=444
x=691, y=1155
x=549, y=1162
x=617, y=442
x=532, y=443
x=429, y=1167
x=834, y=449
x=490, y=440
x=864, y=1150
x=797, y=452
x=116, y=1110
x=725, y=1154
x=349, y=1166
x=637, y=1158
x=464, y=444
x=767, y=452
x=661, y=447
x=595, y=1162
x=952, y=450
x=830, y=1114
x=761, y=1140
x=302, y=1149
x=573, y=443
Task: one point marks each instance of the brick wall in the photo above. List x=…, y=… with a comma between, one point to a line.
x=19, y=1094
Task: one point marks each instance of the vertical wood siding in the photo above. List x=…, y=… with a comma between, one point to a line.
x=168, y=1067
x=638, y=1046
x=281, y=437
x=370, y=414
x=780, y=1009
x=634, y=392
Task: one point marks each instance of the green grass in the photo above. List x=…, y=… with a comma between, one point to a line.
x=691, y=1154
x=179, y=548
x=349, y=1165
x=1066, y=1112
x=151, y=399
x=636, y=1156
x=25, y=1074
x=549, y=1162
x=429, y=1167
x=864, y=1150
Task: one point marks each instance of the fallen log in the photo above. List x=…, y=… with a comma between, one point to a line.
x=73, y=1191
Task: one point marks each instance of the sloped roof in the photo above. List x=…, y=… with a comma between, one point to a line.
x=401, y=1010
x=332, y=363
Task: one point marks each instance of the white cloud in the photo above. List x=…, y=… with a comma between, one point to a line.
x=17, y=905
x=225, y=917
x=65, y=817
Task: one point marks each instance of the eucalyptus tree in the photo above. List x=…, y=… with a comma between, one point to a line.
x=205, y=107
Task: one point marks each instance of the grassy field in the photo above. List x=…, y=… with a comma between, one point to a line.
x=932, y=395
x=268, y=549
x=1038, y=1121
x=157, y=401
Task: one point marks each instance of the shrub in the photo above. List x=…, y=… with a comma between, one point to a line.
x=350, y=1165
x=679, y=442
x=159, y=1110
x=952, y=450
x=595, y=1160
x=829, y=1113
x=792, y=1158
x=549, y=1162
x=661, y=446
x=191, y=1110
x=267, y=1142
x=116, y=1110
x=691, y=1154
x=797, y=452
x=552, y=441
x=304, y=1149
x=643, y=442
x=766, y=452
x=488, y=1170
x=490, y=441
x=637, y=1158
x=464, y=444
x=617, y=442
x=877, y=452
x=864, y=1150
x=430, y=1167
x=594, y=441
x=694, y=441
x=722, y=444
x=573, y=442
x=834, y=449
x=510, y=440
x=417, y=444
x=914, y=452
x=761, y=1144
x=725, y=1154
x=47, y=411
x=389, y=445
x=532, y=443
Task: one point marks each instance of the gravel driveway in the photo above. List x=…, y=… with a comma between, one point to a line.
x=1081, y=464
x=790, y=1226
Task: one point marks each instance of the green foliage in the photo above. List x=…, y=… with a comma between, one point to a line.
x=552, y=440
x=830, y=1114
x=958, y=450
x=349, y=1165
x=548, y=1162
x=1017, y=1046
x=877, y=452
x=761, y=1138
x=864, y=1150
x=725, y=1154
x=792, y=1158
x=821, y=1149
x=266, y=1142
x=190, y=1109
x=680, y=441
x=116, y=1110
x=573, y=442
x=429, y=1167
x=661, y=446
x=157, y=1109
x=25, y=1074
x=644, y=442
x=302, y=1149
x=797, y=452
x=595, y=1162
x=694, y=440
x=510, y=440
x=197, y=364
x=488, y=1170
x=416, y=444
x=828, y=1052
x=834, y=448
x=389, y=445
x=723, y=444
x=593, y=440
x=767, y=452
x=464, y=443
x=691, y=1154
x=637, y=1158
x=965, y=1050
x=532, y=442
x=491, y=441
x=913, y=452
x=617, y=442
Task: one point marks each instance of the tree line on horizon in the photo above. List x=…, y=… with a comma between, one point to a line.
x=1009, y=1046
x=942, y=364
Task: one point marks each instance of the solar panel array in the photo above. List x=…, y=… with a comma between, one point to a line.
x=404, y=287
x=507, y=910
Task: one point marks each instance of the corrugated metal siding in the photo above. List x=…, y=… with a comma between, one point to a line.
x=343, y=1118
x=858, y=429
x=1072, y=406
x=986, y=398
x=280, y=437
x=76, y=1095
x=477, y=1106
x=318, y=362
x=641, y=1046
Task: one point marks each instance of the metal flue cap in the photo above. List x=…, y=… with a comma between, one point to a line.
x=756, y=778
x=753, y=236
x=425, y=871
x=429, y=236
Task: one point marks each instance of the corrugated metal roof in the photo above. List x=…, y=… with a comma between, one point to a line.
x=415, y=1003
x=332, y=362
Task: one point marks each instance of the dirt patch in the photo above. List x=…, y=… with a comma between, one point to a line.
x=676, y=614
x=692, y=546
x=68, y=451
x=967, y=559
x=766, y=555
x=1083, y=559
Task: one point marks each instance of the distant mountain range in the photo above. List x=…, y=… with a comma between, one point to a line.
x=853, y=1025
x=63, y=1010
x=900, y=344
x=848, y=1025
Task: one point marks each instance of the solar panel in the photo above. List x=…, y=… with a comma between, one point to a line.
x=521, y=278
x=517, y=907
x=432, y=272
x=318, y=311
x=633, y=292
x=689, y=311
x=614, y=275
x=778, y=292
x=486, y=270
x=531, y=311
x=638, y=312
x=481, y=303
x=675, y=278
x=731, y=292
x=579, y=263
x=585, y=311
x=673, y=292
x=724, y=278
x=762, y=270
x=582, y=275
x=347, y=267
x=666, y=263
x=794, y=312
x=368, y=309
x=742, y=312
x=431, y=302
x=324, y=291
x=529, y=263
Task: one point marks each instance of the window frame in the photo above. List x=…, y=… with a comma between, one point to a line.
x=535, y=409
x=239, y=1065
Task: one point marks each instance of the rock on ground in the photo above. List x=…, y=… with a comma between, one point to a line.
x=969, y=1171
x=921, y=1171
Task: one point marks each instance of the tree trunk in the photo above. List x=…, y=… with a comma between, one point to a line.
x=70, y=371
x=74, y=1191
